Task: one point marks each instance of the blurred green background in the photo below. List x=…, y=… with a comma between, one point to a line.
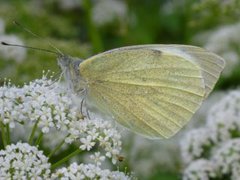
x=82, y=28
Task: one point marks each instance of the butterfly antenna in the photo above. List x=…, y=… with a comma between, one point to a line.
x=29, y=47
x=30, y=32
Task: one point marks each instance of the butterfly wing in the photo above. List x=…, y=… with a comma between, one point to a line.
x=210, y=64
x=149, y=91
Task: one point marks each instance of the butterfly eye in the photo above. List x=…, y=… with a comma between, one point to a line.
x=76, y=63
x=64, y=61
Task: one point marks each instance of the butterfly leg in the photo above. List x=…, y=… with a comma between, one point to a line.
x=81, y=107
x=88, y=115
x=83, y=103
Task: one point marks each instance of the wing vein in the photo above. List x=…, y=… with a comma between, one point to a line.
x=209, y=73
x=145, y=69
x=168, y=102
x=148, y=85
x=116, y=100
x=173, y=95
x=162, y=114
x=209, y=61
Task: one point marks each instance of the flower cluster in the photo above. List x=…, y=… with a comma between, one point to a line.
x=22, y=161
x=217, y=143
x=44, y=108
x=96, y=132
x=41, y=101
x=88, y=171
x=224, y=118
x=200, y=169
x=195, y=144
x=227, y=159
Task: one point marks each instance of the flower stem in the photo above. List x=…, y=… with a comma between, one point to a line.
x=3, y=134
x=8, y=138
x=33, y=132
x=39, y=139
x=65, y=158
x=56, y=148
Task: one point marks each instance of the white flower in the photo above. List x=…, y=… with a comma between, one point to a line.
x=41, y=100
x=97, y=158
x=200, y=169
x=224, y=117
x=87, y=143
x=218, y=141
x=195, y=144
x=10, y=52
x=227, y=159
x=106, y=11
x=22, y=161
x=49, y=106
x=88, y=171
x=95, y=131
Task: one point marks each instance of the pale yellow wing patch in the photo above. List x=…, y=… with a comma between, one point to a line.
x=149, y=92
x=210, y=64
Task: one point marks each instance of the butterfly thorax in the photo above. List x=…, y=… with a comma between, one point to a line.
x=70, y=69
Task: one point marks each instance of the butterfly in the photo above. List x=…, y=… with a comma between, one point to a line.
x=152, y=90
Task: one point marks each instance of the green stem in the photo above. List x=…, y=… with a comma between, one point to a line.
x=56, y=149
x=33, y=132
x=8, y=138
x=39, y=139
x=3, y=134
x=93, y=32
x=65, y=158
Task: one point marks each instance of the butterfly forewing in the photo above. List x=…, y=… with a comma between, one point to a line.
x=210, y=64
x=151, y=92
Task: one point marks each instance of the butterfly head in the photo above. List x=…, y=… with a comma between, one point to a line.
x=69, y=65
x=70, y=69
x=64, y=61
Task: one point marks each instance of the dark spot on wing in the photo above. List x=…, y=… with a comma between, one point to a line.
x=157, y=52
